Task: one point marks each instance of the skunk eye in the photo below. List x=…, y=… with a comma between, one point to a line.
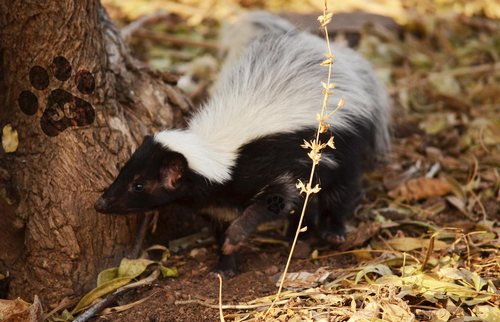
x=138, y=187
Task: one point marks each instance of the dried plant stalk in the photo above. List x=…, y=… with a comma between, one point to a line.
x=315, y=146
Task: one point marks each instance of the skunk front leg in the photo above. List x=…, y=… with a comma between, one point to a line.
x=269, y=204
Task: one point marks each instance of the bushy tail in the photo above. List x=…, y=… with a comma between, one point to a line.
x=235, y=37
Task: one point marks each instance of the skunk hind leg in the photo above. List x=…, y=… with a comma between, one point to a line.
x=335, y=206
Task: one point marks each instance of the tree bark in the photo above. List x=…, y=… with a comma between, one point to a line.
x=80, y=104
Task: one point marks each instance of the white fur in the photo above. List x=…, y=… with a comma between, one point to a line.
x=273, y=86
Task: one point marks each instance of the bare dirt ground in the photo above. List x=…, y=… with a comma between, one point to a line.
x=178, y=299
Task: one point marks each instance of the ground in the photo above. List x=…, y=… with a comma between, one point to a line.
x=170, y=299
x=424, y=243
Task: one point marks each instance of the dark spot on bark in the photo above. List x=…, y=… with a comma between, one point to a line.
x=51, y=128
x=63, y=109
x=85, y=82
x=61, y=68
x=39, y=78
x=54, y=120
x=84, y=113
x=28, y=102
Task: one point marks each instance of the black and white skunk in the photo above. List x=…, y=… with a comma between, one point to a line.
x=240, y=157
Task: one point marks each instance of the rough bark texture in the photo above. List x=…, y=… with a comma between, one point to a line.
x=78, y=117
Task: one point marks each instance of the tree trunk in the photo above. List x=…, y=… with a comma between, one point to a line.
x=80, y=105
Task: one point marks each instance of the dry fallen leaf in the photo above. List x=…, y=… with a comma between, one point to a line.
x=407, y=244
x=421, y=188
x=302, y=280
x=10, y=139
x=19, y=310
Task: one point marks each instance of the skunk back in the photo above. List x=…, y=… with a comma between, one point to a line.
x=272, y=86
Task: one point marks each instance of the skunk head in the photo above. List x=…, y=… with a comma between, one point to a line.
x=152, y=177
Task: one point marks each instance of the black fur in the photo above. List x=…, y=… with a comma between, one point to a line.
x=262, y=185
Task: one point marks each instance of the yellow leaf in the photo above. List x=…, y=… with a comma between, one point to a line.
x=99, y=291
x=434, y=288
x=133, y=267
x=107, y=275
x=407, y=244
x=10, y=139
x=168, y=271
x=379, y=269
x=487, y=313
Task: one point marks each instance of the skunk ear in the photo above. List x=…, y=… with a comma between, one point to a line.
x=172, y=172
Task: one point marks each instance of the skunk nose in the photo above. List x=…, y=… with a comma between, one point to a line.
x=101, y=204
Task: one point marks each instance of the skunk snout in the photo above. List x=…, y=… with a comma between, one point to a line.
x=101, y=204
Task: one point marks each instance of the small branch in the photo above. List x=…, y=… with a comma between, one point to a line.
x=98, y=307
x=228, y=307
x=141, y=235
x=176, y=40
x=130, y=29
x=64, y=304
x=221, y=314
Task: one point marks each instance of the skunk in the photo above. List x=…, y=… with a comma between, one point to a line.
x=240, y=156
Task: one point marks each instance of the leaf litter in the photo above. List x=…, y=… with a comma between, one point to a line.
x=425, y=244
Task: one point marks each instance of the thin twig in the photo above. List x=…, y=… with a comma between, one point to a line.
x=98, y=307
x=64, y=304
x=221, y=314
x=226, y=306
x=308, y=190
x=130, y=29
x=176, y=40
x=141, y=235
